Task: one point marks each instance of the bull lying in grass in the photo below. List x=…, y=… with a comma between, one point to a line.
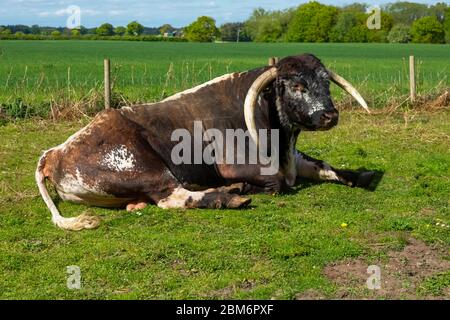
x=124, y=158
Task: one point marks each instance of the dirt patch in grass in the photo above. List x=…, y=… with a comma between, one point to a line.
x=402, y=274
x=310, y=294
x=228, y=292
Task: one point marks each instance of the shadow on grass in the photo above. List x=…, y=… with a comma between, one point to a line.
x=368, y=180
x=372, y=180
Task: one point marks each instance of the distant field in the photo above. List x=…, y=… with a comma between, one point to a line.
x=34, y=74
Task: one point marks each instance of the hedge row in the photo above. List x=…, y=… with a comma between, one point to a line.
x=89, y=37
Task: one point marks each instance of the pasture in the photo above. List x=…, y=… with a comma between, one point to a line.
x=279, y=248
x=314, y=242
x=38, y=75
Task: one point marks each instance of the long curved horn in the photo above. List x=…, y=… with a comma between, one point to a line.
x=344, y=84
x=252, y=96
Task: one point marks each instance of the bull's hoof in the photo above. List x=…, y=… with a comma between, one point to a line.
x=134, y=206
x=369, y=180
x=237, y=202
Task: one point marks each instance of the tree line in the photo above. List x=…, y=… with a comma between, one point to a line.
x=401, y=22
x=133, y=31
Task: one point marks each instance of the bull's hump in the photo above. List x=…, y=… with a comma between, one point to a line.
x=204, y=86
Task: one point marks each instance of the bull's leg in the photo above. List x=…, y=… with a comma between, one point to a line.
x=211, y=198
x=235, y=188
x=310, y=168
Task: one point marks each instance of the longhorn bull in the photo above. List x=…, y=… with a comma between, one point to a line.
x=123, y=157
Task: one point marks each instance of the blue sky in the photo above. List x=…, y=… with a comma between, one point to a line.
x=150, y=13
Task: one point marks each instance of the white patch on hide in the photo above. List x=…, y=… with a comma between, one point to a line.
x=74, y=186
x=314, y=104
x=179, y=197
x=119, y=159
x=328, y=174
x=128, y=109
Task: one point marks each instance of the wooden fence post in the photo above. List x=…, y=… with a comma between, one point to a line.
x=272, y=61
x=107, y=73
x=412, y=79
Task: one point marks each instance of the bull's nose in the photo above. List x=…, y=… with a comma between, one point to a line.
x=329, y=118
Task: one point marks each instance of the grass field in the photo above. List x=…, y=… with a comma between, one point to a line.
x=280, y=248
x=34, y=75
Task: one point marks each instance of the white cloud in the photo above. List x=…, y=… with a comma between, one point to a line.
x=66, y=12
x=116, y=12
x=44, y=14
x=90, y=12
x=61, y=12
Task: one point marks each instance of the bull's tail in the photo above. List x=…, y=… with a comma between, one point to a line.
x=76, y=223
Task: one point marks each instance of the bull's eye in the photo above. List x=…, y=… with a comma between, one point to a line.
x=300, y=88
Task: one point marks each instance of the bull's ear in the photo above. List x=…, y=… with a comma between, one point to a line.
x=251, y=99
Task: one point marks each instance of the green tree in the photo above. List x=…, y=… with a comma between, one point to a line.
x=56, y=33
x=120, y=30
x=346, y=21
x=439, y=11
x=268, y=26
x=105, y=29
x=447, y=19
x=351, y=26
x=400, y=33
x=312, y=22
x=356, y=7
x=202, y=30
x=381, y=35
x=428, y=30
x=35, y=29
x=447, y=25
x=231, y=32
x=75, y=32
x=166, y=28
x=83, y=30
x=135, y=28
x=406, y=12
x=358, y=33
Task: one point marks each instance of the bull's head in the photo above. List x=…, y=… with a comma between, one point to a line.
x=302, y=85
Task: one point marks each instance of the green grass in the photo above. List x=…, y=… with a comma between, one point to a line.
x=36, y=74
x=278, y=248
